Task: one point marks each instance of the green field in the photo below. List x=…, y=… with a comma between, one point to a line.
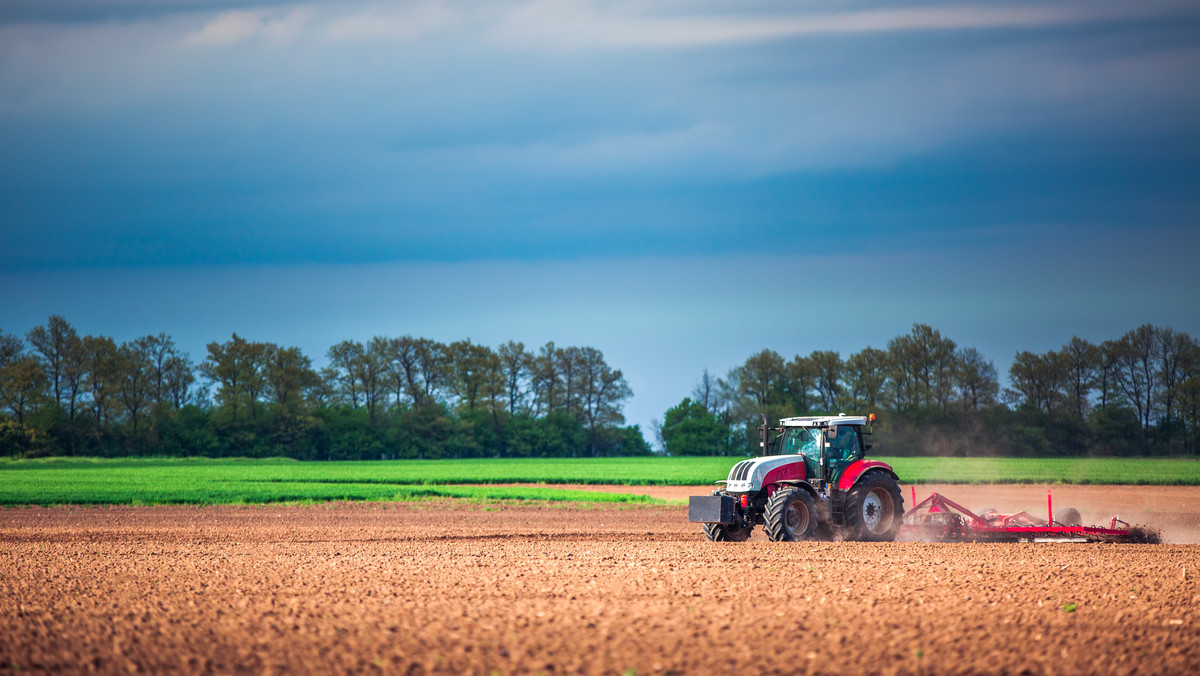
x=207, y=481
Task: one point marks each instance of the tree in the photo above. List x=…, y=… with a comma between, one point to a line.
x=1172, y=348
x=603, y=392
x=56, y=342
x=414, y=368
x=1081, y=364
x=22, y=385
x=656, y=436
x=1037, y=378
x=178, y=377
x=629, y=441
x=63, y=361
x=515, y=366
x=1137, y=371
x=568, y=362
x=103, y=373
x=556, y=434
x=976, y=378
x=689, y=428
x=289, y=376
x=432, y=367
x=11, y=348
x=865, y=375
x=545, y=380
x=345, y=366
x=760, y=379
x=372, y=372
x=924, y=368
x=1106, y=373
x=705, y=392
x=495, y=394
x=799, y=383
x=400, y=368
x=1187, y=394
x=469, y=370
x=827, y=365
x=236, y=367
x=171, y=372
x=135, y=386
x=162, y=348
x=22, y=380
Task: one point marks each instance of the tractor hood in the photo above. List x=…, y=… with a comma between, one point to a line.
x=749, y=475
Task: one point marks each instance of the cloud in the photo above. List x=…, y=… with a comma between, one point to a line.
x=580, y=23
x=390, y=142
x=232, y=27
x=586, y=24
x=226, y=29
x=392, y=24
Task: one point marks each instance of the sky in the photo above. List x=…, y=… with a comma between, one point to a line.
x=678, y=184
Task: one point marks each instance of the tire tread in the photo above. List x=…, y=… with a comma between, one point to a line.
x=773, y=516
x=855, y=530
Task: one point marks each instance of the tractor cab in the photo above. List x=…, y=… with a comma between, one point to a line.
x=828, y=443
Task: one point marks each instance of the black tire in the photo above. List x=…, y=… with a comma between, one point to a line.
x=1068, y=516
x=726, y=532
x=874, y=509
x=791, y=515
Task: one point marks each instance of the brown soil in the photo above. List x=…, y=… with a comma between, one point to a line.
x=458, y=588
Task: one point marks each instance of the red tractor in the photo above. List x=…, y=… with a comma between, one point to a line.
x=811, y=482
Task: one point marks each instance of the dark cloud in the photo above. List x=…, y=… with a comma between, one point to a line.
x=91, y=11
x=128, y=146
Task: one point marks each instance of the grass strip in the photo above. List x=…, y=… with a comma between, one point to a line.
x=233, y=481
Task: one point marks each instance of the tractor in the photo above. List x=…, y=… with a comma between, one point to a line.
x=810, y=483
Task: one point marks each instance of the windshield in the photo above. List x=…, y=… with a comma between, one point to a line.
x=802, y=441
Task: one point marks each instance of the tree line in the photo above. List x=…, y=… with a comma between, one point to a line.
x=1138, y=394
x=406, y=397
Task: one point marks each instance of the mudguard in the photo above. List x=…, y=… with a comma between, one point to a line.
x=857, y=468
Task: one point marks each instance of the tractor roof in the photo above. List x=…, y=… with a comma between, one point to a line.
x=823, y=420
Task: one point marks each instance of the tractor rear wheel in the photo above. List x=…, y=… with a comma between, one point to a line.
x=791, y=514
x=726, y=532
x=874, y=509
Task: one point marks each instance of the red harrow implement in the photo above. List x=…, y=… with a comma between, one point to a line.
x=939, y=519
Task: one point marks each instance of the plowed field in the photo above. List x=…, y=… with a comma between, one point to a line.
x=459, y=588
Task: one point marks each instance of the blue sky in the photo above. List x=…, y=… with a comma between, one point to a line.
x=678, y=184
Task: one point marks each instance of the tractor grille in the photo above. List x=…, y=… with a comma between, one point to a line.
x=740, y=470
x=733, y=473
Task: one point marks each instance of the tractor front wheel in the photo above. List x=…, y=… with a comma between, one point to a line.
x=726, y=532
x=874, y=509
x=791, y=514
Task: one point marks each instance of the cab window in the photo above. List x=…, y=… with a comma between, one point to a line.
x=845, y=445
x=800, y=441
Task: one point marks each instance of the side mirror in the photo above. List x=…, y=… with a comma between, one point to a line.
x=831, y=432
